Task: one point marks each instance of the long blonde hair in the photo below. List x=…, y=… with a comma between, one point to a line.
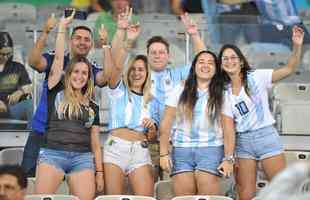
x=146, y=87
x=72, y=104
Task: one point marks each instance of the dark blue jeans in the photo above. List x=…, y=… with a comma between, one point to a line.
x=31, y=152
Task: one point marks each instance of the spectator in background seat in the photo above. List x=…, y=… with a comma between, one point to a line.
x=109, y=19
x=15, y=85
x=13, y=182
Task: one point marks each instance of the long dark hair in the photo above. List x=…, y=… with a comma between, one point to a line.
x=245, y=67
x=7, y=42
x=189, y=95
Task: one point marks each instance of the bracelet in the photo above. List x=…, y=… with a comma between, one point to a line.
x=164, y=155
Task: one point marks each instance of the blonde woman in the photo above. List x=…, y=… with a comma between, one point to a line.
x=72, y=144
x=131, y=120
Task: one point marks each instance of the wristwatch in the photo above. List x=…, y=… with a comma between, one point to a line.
x=230, y=159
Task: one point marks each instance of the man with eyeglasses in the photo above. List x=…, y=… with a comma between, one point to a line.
x=13, y=182
x=15, y=85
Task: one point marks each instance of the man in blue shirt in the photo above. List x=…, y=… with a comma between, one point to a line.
x=80, y=43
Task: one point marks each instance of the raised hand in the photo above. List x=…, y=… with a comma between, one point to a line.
x=133, y=31
x=123, y=19
x=298, y=35
x=65, y=21
x=50, y=23
x=190, y=25
x=103, y=34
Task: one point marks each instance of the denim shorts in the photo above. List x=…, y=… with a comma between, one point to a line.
x=66, y=161
x=258, y=144
x=189, y=159
x=125, y=154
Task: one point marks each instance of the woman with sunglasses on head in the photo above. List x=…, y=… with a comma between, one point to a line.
x=72, y=146
x=247, y=113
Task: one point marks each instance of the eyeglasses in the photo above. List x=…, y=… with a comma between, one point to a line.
x=233, y=58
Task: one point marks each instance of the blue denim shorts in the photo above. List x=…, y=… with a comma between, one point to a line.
x=258, y=144
x=66, y=161
x=189, y=159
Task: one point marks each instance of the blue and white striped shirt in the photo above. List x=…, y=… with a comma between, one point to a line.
x=127, y=109
x=163, y=83
x=198, y=133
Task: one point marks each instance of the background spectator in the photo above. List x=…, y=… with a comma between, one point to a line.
x=15, y=85
x=109, y=19
x=13, y=182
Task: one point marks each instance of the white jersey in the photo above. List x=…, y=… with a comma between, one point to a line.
x=251, y=113
x=127, y=109
x=164, y=82
x=198, y=133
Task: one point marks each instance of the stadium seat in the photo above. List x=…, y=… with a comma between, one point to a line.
x=18, y=12
x=289, y=99
x=124, y=197
x=149, y=17
x=93, y=17
x=163, y=190
x=199, y=197
x=50, y=197
x=172, y=31
x=295, y=156
x=62, y=189
x=11, y=155
x=266, y=55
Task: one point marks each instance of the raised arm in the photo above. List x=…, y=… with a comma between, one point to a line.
x=192, y=29
x=35, y=58
x=120, y=46
x=58, y=62
x=164, y=130
x=294, y=59
x=102, y=77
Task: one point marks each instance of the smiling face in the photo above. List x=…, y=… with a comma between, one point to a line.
x=158, y=56
x=137, y=75
x=231, y=63
x=81, y=42
x=79, y=75
x=205, y=67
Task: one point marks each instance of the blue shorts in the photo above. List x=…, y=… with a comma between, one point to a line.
x=258, y=144
x=66, y=161
x=189, y=159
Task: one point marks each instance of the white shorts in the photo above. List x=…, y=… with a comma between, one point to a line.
x=125, y=154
